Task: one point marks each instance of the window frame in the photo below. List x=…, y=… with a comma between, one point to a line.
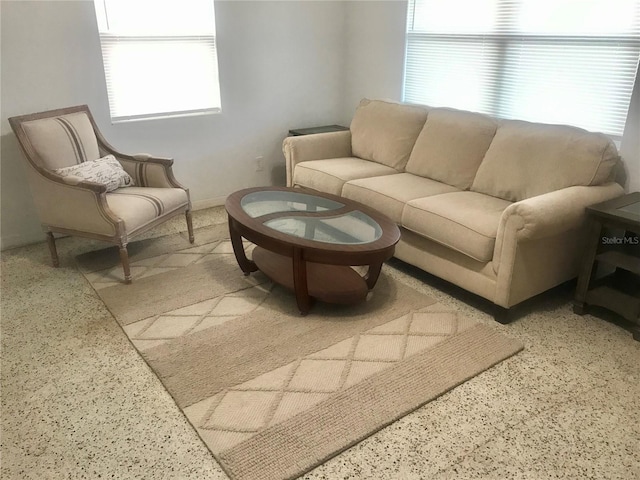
x=109, y=40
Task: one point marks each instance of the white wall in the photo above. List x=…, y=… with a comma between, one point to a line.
x=375, y=44
x=630, y=147
x=281, y=66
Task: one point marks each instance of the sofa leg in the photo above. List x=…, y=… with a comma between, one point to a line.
x=187, y=215
x=51, y=241
x=124, y=258
x=579, y=308
x=502, y=315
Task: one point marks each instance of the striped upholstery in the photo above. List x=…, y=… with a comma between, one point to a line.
x=149, y=175
x=138, y=206
x=68, y=139
x=63, y=141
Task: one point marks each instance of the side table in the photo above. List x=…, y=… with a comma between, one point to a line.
x=310, y=131
x=619, y=291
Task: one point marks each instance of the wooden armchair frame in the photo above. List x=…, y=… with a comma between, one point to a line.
x=89, y=198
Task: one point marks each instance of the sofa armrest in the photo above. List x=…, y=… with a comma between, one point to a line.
x=554, y=212
x=315, y=147
x=547, y=215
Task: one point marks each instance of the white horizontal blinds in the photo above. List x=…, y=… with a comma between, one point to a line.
x=450, y=62
x=160, y=75
x=451, y=72
x=159, y=57
x=583, y=83
x=554, y=61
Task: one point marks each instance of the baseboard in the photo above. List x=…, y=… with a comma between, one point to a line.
x=8, y=242
x=208, y=203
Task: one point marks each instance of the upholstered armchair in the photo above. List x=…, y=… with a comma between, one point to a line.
x=58, y=145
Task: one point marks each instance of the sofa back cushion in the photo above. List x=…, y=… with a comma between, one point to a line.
x=385, y=132
x=451, y=146
x=528, y=159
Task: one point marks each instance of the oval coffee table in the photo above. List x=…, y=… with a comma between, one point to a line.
x=308, y=241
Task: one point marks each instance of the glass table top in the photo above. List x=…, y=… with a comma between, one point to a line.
x=261, y=203
x=347, y=228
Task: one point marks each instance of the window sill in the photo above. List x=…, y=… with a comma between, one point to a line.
x=166, y=116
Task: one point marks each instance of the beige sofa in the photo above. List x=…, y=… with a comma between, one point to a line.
x=493, y=206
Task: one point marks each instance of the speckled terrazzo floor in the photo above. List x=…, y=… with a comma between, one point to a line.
x=79, y=402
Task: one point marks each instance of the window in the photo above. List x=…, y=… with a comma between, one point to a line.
x=159, y=57
x=552, y=61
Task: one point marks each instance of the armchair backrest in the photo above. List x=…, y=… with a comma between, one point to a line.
x=57, y=138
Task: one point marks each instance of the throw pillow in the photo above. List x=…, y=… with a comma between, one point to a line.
x=106, y=170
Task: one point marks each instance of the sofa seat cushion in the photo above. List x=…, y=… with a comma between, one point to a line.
x=389, y=193
x=451, y=146
x=464, y=221
x=330, y=175
x=385, y=132
x=529, y=159
x=139, y=206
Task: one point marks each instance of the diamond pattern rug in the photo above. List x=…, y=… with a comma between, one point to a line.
x=273, y=394
x=236, y=414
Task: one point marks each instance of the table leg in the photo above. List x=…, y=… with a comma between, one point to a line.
x=636, y=332
x=51, y=241
x=372, y=275
x=300, y=281
x=246, y=265
x=588, y=268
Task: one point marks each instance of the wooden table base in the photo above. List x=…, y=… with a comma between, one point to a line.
x=313, y=269
x=328, y=283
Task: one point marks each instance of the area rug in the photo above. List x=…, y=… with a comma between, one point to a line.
x=271, y=393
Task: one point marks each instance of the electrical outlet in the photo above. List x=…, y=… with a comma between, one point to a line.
x=259, y=164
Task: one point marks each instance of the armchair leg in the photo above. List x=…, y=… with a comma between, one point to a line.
x=124, y=258
x=51, y=241
x=187, y=214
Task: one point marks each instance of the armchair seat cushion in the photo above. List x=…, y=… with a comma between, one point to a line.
x=331, y=174
x=139, y=206
x=464, y=221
